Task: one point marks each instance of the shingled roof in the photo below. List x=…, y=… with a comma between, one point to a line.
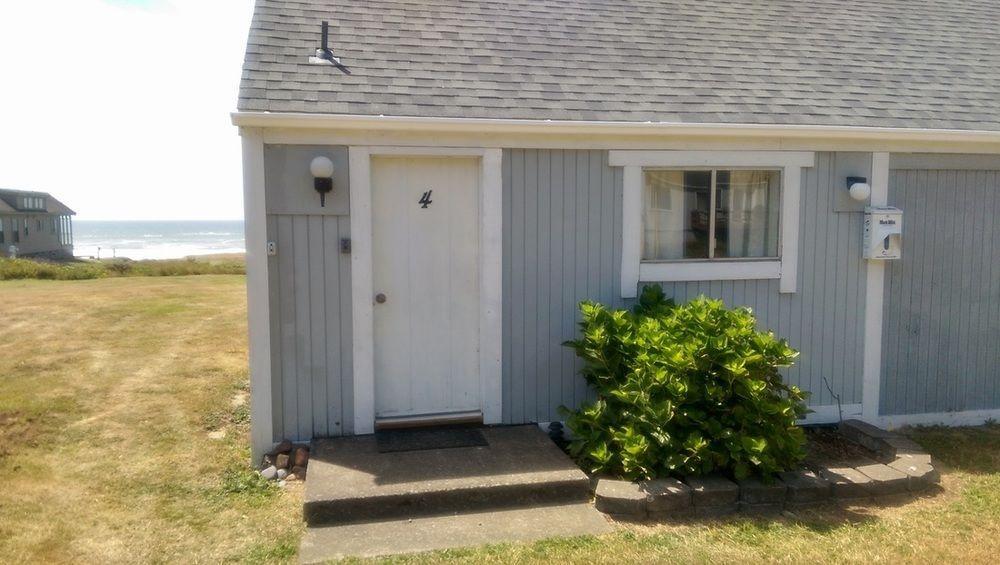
x=885, y=63
x=9, y=202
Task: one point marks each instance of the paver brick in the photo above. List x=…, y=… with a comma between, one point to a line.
x=921, y=474
x=847, y=482
x=885, y=479
x=620, y=498
x=754, y=491
x=713, y=491
x=667, y=496
x=805, y=487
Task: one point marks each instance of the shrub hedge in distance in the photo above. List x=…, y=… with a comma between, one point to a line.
x=31, y=269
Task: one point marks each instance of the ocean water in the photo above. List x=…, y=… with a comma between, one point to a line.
x=156, y=240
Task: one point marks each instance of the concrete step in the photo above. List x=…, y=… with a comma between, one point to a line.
x=350, y=482
x=400, y=536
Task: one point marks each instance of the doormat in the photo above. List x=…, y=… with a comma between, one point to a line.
x=391, y=441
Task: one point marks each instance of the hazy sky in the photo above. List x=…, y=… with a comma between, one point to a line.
x=121, y=108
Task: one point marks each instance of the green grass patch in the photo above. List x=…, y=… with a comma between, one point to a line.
x=245, y=482
x=278, y=551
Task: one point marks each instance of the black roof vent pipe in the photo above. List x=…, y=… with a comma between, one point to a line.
x=324, y=56
x=324, y=49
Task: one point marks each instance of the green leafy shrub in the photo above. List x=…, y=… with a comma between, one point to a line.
x=684, y=389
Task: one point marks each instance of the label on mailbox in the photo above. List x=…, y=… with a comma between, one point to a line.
x=883, y=236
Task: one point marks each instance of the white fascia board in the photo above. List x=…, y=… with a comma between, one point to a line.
x=479, y=125
x=711, y=158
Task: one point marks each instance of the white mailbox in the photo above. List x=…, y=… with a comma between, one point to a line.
x=883, y=233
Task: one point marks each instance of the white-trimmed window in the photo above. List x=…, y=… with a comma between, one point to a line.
x=710, y=215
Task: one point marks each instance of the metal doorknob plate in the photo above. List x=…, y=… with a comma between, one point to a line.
x=380, y=298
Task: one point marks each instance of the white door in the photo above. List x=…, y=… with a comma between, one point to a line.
x=425, y=229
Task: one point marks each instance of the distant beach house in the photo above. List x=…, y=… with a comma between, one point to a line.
x=34, y=224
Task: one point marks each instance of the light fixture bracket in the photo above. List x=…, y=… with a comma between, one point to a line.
x=323, y=185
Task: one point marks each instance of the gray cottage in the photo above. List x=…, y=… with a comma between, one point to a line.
x=34, y=224
x=432, y=187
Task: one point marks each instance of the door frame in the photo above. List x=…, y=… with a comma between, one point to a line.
x=362, y=279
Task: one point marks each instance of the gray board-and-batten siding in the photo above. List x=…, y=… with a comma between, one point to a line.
x=562, y=244
x=941, y=330
x=562, y=229
x=310, y=296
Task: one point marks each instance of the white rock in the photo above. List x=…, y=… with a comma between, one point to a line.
x=282, y=473
x=269, y=473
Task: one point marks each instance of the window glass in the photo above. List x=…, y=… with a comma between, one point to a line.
x=680, y=221
x=676, y=215
x=747, y=208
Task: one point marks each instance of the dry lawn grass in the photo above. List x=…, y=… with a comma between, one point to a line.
x=110, y=389
x=108, y=392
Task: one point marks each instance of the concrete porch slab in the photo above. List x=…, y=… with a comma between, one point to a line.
x=442, y=532
x=351, y=482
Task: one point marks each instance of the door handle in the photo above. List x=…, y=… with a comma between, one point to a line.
x=380, y=298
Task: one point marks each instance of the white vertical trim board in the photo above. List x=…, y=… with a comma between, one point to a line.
x=631, y=229
x=490, y=261
x=491, y=285
x=791, y=182
x=258, y=305
x=874, y=295
x=362, y=315
x=633, y=271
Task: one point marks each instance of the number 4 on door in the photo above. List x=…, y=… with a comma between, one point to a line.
x=425, y=200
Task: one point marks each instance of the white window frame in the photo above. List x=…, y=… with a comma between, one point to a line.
x=785, y=267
